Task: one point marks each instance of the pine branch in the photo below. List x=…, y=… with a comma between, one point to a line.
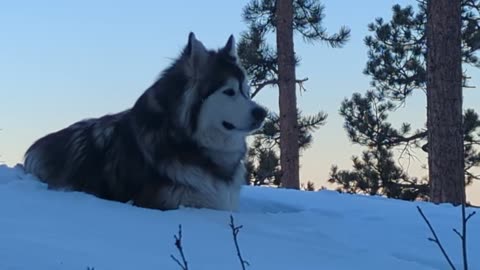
x=401, y=139
x=435, y=239
x=471, y=175
x=235, y=231
x=316, y=31
x=259, y=86
x=409, y=185
x=178, y=245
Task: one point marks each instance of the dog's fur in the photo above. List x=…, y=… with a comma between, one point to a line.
x=181, y=144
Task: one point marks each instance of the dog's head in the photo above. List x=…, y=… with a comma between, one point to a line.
x=218, y=96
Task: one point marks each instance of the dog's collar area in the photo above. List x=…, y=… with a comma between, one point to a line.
x=228, y=125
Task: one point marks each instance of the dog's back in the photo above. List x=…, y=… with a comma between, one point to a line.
x=91, y=156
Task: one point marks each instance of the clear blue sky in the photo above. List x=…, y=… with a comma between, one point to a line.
x=62, y=61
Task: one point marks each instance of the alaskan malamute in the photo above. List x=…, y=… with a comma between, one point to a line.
x=181, y=144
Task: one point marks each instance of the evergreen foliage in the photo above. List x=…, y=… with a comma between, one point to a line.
x=397, y=66
x=260, y=61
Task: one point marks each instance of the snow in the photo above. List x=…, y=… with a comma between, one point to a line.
x=282, y=229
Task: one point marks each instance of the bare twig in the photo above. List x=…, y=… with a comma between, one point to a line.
x=178, y=245
x=435, y=239
x=406, y=150
x=463, y=235
x=235, y=231
x=301, y=86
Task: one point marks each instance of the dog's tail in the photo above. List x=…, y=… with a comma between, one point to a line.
x=57, y=154
x=35, y=158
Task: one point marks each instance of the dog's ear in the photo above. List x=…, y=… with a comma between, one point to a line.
x=230, y=47
x=195, y=51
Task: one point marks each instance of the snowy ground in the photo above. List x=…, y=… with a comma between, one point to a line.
x=283, y=229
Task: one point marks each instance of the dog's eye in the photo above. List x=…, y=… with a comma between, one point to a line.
x=229, y=92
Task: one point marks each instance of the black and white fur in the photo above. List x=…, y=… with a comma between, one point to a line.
x=181, y=144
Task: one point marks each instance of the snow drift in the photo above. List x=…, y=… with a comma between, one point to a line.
x=282, y=229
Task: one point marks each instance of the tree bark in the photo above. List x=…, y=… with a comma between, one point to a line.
x=289, y=148
x=444, y=102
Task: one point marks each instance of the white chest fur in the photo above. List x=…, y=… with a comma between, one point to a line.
x=200, y=189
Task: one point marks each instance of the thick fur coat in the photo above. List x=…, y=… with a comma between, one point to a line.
x=181, y=144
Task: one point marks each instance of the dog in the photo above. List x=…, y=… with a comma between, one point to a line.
x=181, y=144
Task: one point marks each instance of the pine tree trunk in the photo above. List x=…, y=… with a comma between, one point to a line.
x=289, y=148
x=444, y=102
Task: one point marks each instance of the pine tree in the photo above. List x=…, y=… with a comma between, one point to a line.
x=397, y=66
x=289, y=156
x=261, y=63
x=263, y=162
x=376, y=172
x=445, y=102
x=471, y=126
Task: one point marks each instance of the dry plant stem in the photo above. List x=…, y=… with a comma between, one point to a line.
x=235, y=231
x=463, y=235
x=435, y=239
x=178, y=245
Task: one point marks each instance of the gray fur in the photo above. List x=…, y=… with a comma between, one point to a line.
x=181, y=144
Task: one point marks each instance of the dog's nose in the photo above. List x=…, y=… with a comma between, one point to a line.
x=259, y=114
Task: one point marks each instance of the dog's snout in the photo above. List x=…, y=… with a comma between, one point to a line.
x=259, y=113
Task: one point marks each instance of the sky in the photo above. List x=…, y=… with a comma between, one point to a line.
x=65, y=61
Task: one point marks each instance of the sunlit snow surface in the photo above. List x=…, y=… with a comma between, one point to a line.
x=42, y=229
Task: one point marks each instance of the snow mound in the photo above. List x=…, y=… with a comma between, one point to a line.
x=282, y=229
